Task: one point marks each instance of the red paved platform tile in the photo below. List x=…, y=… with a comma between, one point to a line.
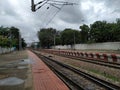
x=43, y=77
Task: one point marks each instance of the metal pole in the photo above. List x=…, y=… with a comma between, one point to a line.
x=54, y=41
x=10, y=40
x=33, y=6
x=32, y=2
x=74, y=41
x=20, y=46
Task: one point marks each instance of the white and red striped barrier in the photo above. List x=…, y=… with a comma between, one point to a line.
x=95, y=56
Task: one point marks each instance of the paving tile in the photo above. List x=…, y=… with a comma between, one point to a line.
x=43, y=77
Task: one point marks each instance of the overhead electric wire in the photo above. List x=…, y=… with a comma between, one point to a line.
x=55, y=4
x=54, y=16
x=43, y=18
x=58, y=1
x=47, y=16
x=48, y=19
x=56, y=12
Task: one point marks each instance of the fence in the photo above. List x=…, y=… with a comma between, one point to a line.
x=99, y=46
x=6, y=50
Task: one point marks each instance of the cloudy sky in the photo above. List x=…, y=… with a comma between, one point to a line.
x=18, y=13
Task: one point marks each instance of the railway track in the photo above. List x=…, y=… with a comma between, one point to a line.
x=70, y=83
x=96, y=80
x=91, y=60
x=108, y=64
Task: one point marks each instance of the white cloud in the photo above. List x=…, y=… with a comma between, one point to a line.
x=18, y=13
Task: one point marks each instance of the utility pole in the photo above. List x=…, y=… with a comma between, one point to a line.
x=54, y=41
x=74, y=41
x=20, y=42
x=10, y=40
x=33, y=6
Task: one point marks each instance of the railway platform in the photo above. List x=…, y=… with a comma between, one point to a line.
x=43, y=77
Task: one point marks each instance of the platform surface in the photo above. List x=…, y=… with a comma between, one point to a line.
x=43, y=77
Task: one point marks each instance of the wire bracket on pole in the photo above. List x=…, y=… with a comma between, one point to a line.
x=53, y=3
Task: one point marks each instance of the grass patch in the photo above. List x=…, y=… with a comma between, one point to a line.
x=113, y=78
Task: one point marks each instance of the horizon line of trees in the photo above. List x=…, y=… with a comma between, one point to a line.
x=99, y=31
x=10, y=36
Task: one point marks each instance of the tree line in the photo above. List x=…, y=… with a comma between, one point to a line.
x=99, y=31
x=10, y=36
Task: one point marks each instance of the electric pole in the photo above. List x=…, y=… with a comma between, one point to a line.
x=54, y=40
x=74, y=41
x=20, y=42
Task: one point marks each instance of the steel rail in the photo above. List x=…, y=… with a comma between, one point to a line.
x=92, y=60
x=63, y=77
x=108, y=64
x=99, y=81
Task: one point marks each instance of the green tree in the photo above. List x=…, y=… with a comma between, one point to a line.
x=110, y=32
x=14, y=36
x=4, y=31
x=4, y=34
x=58, y=40
x=84, y=33
x=98, y=31
x=23, y=43
x=46, y=37
x=10, y=37
x=117, y=30
x=70, y=37
x=4, y=41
